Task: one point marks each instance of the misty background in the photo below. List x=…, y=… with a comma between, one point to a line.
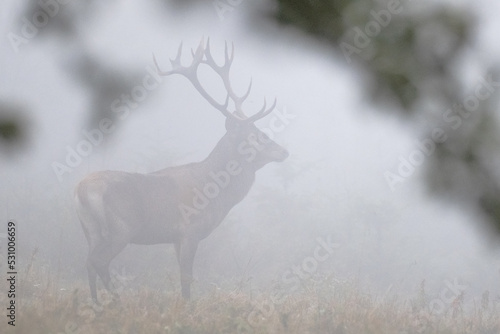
x=355, y=118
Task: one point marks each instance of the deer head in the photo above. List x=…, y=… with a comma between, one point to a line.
x=243, y=138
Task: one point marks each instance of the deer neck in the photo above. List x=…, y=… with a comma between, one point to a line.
x=225, y=158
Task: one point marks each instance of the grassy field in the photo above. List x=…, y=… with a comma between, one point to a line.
x=324, y=306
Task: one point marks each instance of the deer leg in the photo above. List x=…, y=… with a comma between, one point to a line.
x=93, y=241
x=91, y=267
x=186, y=253
x=103, y=272
x=177, y=253
x=101, y=258
x=92, y=274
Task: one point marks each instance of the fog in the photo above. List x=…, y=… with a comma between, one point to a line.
x=333, y=186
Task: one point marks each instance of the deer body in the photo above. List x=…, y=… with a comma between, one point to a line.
x=180, y=205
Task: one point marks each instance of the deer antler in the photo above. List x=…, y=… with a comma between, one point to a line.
x=202, y=55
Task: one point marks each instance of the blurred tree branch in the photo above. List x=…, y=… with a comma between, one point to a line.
x=13, y=127
x=413, y=59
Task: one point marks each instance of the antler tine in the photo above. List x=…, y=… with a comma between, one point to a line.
x=176, y=62
x=238, y=100
x=210, y=61
x=198, y=54
x=160, y=72
x=244, y=97
x=177, y=67
x=262, y=112
x=228, y=58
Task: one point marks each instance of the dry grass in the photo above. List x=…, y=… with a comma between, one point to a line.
x=327, y=306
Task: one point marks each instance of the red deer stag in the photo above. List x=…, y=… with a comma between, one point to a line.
x=181, y=204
